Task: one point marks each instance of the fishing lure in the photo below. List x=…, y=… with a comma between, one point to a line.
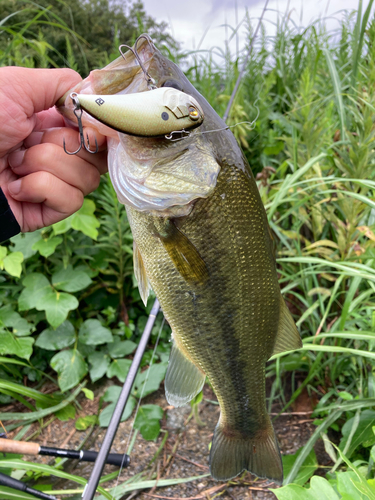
x=147, y=114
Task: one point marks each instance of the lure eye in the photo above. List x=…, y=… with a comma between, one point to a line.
x=165, y=115
x=193, y=113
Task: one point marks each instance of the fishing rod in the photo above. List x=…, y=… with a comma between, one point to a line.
x=27, y=448
x=15, y=484
x=92, y=484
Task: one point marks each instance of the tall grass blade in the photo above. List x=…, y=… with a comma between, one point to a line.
x=47, y=469
x=359, y=34
x=337, y=90
x=310, y=444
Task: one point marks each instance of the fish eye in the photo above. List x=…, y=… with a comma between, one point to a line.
x=172, y=83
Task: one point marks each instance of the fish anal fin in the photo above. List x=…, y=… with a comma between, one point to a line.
x=288, y=337
x=183, y=380
x=140, y=274
x=232, y=453
x=184, y=255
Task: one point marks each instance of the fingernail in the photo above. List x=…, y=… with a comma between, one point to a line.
x=15, y=159
x=15, y=187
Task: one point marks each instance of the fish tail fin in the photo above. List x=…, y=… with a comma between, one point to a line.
x=231, y=454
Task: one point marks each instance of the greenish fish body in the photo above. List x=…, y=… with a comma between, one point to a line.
x=202, y=242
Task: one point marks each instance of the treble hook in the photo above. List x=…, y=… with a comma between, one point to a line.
x=78, y=114
x=150, y=81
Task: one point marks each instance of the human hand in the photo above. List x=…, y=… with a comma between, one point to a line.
x=43, y=184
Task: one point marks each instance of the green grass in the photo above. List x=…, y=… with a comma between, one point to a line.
x=312, y=150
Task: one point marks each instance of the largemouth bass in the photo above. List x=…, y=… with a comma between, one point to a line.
x=202, y=242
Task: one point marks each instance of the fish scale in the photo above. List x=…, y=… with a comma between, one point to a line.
x=225, y=316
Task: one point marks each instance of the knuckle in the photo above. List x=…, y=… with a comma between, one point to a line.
x=76, y=201
x=42, y=154
x=43, y=180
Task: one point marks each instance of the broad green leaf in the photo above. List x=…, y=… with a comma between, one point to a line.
x=346, y=486
x=3, y=252
x=13, y=264
x=306, y=470
x=112, y=394
x=11, y=319
x=66, y=413
x=19, y=346
x=47, y=247
x=148, y=421
x=99, y=363
x=363, y=435
x=70, y=366
x=106, y=414
x=83, y=423
x=36, y=287
x=85, y=221
x=24, y=242
x=70, y=280
x=319, y=489
x=57, y=306
x=88, y=393
x=54, y=340
x=63, y=226
x=92, y=332
x=120, y=349
x=119, y=368
x=154, y=376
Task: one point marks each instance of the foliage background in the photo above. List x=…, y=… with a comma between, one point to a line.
x=68, y=301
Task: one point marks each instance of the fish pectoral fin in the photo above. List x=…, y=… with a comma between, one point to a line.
x=184, y=255
x=140, y=274
x=183, y=380
x=288, y=337
x=232, y=452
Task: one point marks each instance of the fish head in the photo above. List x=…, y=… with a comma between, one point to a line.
x=152, y=174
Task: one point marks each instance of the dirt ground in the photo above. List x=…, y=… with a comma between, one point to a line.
x=185, y=453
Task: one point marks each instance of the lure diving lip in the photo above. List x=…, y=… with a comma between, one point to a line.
x=146, y=114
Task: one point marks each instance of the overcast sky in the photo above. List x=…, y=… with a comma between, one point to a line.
x=189, y=19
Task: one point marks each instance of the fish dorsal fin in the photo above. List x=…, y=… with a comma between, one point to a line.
x=184, y=255
x=288, y=337
x=140, y=274
x=183, y=380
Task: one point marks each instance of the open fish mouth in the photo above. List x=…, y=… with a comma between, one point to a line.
x=152, y=173
x=124, y=75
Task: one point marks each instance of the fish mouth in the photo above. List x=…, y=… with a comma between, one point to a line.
x=150, y=174
x=124, y=75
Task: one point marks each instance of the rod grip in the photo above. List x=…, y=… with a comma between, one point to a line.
x=112, y=459
x=22, y=447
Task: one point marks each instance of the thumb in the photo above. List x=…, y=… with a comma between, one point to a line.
x=35, y=90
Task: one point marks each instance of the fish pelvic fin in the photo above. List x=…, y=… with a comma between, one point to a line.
x=288, y=337
x=232, y=453
x=184, y=255
x=140, y=274
x=183, y=380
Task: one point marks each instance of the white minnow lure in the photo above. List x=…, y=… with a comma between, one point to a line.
x=147, y=114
